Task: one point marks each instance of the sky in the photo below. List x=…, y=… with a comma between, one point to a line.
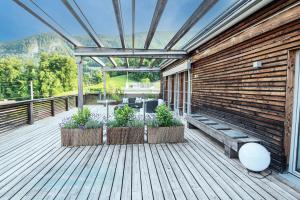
x=16, y=23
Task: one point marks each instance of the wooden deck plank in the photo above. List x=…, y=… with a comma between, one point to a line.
x=136, y=174
x=33, y=165
x=62, y=188
x=238, y=184
x=73, y=193
x=109, y=178
x=200, y=181
x=31, y=184
x=174, y=182
x=256, y=184
x=127, y=182
x=91, y=178
x=96, y=188
x=21, y=168
x=164, y=182
x=145, y=176
x=185, y=180
x=218, y=180
x=155, y=183
x=211, y=183
x=39, y=188
x=15, y=186
x=118, y=179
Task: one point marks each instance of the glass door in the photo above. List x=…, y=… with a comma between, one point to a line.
x=295, y=144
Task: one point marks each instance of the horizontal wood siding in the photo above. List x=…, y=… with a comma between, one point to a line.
x=41, y=110
x=227, y=86
x=13, y=117
x=60, y=105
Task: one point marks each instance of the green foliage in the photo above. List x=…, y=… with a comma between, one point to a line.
x=123, y=115
x=163, y=115
x=117, y=95
x=57, y=73
x=135, y=123
x=15, y=77
x=145, y=80
x=93, y=124
x=144, y=75
x=82, y=117
x=53, y=75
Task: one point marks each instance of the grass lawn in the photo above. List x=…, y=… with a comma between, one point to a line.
x=113, y=83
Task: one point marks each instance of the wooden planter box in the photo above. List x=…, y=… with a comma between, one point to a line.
x=173, y=134
x=125, y=135
x=81, y=137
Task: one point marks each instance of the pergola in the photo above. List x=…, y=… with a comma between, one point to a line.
x=235, y=12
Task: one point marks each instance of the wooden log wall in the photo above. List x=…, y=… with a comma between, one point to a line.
x=225, y=84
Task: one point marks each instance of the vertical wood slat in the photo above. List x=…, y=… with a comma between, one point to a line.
x=289, y=102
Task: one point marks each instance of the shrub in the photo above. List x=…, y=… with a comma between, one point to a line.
x=164, y=118
x=164, y=115
x=124, y=115
x=93, y=124
x=82, y=117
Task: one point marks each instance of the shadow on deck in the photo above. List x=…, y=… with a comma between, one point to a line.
x=33, y=165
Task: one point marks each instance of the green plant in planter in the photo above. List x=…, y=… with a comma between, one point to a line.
x=82, y=117
x=124, y=117
x=164, y=118
x=163, y=115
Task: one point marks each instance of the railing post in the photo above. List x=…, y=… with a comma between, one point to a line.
x=107, y=110
x=30, y=113
x=67, y=103
x=52, y=108
x=76, y=101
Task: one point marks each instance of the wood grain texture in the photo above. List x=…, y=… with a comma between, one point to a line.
x=174, y=134
x=289, y=102
x=125, y=135
x=35, y=166
x=225, y=84
x=81, y=137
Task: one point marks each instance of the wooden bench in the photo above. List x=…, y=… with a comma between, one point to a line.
x=231, y=137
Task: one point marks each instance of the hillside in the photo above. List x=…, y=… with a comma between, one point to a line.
x=30, y=47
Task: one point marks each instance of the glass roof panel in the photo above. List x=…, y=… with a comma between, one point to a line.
x=101, y=16
x=15, y=23
x=144, y=14
x=56, y=11
x=126, y=8
x=174, y=16
x=220, y=7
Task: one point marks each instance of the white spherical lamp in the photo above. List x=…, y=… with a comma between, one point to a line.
x=254, y=157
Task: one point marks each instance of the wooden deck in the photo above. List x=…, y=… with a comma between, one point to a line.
x=33, y=165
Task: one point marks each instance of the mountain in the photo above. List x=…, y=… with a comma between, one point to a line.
x=31, y=46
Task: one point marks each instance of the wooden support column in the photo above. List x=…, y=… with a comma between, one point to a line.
x=52, y=108
x=189, y=95
x=80, y=82
x=104, y=83
x=30, y=113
